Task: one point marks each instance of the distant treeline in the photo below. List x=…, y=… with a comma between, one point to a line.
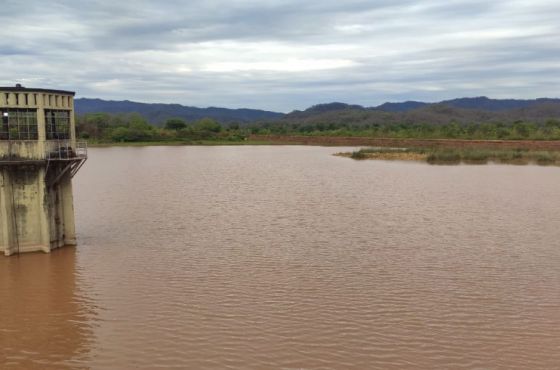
x=132, y=127
x=438, y=121
x=549, y=130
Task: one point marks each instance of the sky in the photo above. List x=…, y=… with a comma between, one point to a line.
x=283, y=55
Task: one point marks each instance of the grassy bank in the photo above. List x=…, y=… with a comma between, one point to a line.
x=98, y=144
x=458, y=155
x=546, y=145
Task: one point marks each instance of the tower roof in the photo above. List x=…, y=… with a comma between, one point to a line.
x=19, y=88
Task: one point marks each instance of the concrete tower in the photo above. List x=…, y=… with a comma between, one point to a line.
x=39, y=156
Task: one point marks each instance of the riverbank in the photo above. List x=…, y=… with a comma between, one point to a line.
x=458, y=155
x=180, y=143
x=553, y=145
x=545, y=145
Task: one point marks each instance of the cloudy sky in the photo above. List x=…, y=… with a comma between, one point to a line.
x=283, y=55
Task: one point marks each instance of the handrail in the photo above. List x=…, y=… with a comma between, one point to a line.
x=62, y=149
x=81, y=149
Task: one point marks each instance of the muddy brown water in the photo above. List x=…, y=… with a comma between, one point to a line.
x=287, y=257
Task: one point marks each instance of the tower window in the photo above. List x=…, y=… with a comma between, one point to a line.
x=57, y=124
x=19, y=124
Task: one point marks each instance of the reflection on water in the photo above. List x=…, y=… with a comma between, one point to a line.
x=288, y=257
x=45, y=320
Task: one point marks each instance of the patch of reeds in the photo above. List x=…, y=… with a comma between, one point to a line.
x=358, y=154
x=546, y=158
x=444, y=156
x=459, y=155
x=387, y=154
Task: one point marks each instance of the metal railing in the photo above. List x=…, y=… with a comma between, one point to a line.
x=81, y=149
x=73, y=159
x=62, y=149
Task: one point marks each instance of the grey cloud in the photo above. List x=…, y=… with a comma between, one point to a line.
x=162, y=51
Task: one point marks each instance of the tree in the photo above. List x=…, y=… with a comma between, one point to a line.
x=175, y=124
x=208, y=125
x=233, y=126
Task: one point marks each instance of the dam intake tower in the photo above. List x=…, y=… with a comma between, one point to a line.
x=39, y=155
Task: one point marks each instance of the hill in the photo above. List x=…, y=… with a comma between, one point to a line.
x=159, y=113
x=462, y=110
x=538, y=111
x=401, y=107
x=477, y=103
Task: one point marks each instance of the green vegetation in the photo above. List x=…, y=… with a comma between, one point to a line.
x=103, y=128
x=175, y=124
x=132, y=127
x=359, y=154
x=460, y=155
x=518, y=130
x=387, y=125
x=404, y=154
x=482, y=156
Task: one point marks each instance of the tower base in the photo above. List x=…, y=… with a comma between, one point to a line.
x=36, y=214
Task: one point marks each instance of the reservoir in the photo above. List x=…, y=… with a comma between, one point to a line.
x=287, y=257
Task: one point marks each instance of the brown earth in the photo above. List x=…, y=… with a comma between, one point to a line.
x=408, y=143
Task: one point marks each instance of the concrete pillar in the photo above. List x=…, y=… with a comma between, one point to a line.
x=41, y=128
x=45, y=237
x=7, y=226
x=69, y=226
x=72, y=129
x=26, y=214
x=12, y=99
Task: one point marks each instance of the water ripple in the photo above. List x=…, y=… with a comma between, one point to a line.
x=290, y=258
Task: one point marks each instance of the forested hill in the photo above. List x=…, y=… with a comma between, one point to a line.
x=159, y=113
x=432, y=114
x=498, y=119
x=477, y=103
x=480, y=103
x=462, y=110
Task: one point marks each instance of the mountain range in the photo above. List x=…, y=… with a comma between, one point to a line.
x=477, y=108
x=477, y=103
x=159, y=113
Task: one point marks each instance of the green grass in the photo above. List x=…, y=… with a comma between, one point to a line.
x=359, y=154
x=470, y=155
x=546, y=158
x=363, y=153
x=482, y=156
x=180, y=142
x=444, y=156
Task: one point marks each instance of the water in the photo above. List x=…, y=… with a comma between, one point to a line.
x=290, y=258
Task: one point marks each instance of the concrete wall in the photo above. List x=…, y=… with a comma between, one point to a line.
x=22, y=149
x=61, y=214
x=23, y=207
x=34, y=217
x=30, y=99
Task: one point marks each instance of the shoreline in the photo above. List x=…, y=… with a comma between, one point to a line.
x=356, y=141
x=178, y=143
x=458, y=155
